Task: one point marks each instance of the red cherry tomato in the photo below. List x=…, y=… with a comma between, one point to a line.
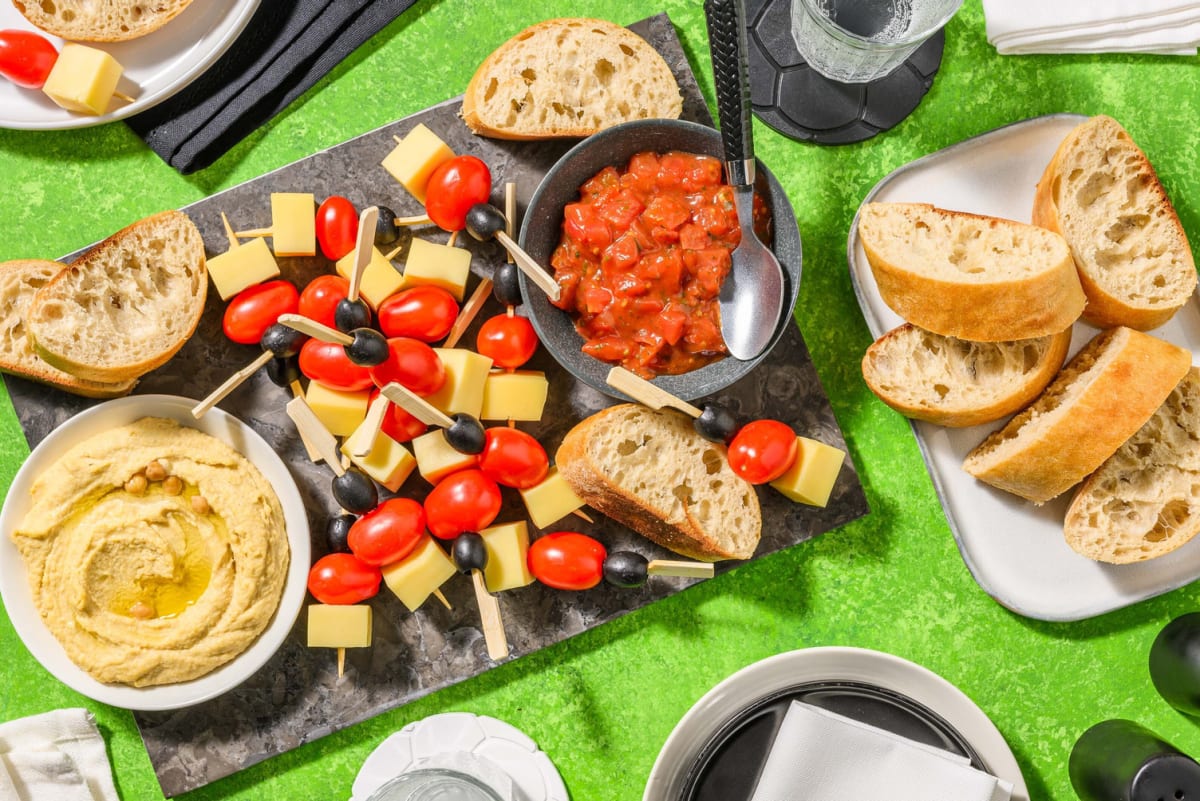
x=320, y=298
x=337, y=227
x=762, y=451
x=387, y=533
x=567, y=560
x=513, y=458
x=327, y=363
x=509, y=340
x=454, y=187
x=463, y=501
x=412, y=364
x=421, y=312
x=343, y=578
x=26, y=58
x=399, y=424
x=256, y=308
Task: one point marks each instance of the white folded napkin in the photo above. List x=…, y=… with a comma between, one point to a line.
x=822, y=756
x=1170, y=27
x=57, y=755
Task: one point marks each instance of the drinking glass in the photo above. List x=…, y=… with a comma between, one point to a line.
x=433, y=784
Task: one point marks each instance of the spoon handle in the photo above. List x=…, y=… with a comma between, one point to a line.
x=727, y=39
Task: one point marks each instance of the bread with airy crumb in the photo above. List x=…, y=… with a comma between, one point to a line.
x=100, y=20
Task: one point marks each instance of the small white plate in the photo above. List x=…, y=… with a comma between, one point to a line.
x=763, y=679
x=158, y=64
x=14, y=581
x=1015, y=550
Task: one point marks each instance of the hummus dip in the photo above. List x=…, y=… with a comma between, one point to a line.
x=156, y=553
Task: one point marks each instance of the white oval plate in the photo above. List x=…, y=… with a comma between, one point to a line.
x=776, y=673
x=158, y=64
x=14, y=582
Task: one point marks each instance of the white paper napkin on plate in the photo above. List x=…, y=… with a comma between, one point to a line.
x=819, y=755
x=57, y=755
x=1170, y=27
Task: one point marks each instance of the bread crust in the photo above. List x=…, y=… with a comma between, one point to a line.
x=101, y=20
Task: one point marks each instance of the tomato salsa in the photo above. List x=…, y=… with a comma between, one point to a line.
x=642, y=258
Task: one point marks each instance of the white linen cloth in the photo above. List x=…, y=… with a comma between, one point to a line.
x=819, y=755
x=55, y=756
x=1167, y=27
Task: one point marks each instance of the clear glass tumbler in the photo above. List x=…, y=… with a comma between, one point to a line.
x=857, y=41
x=433, y=784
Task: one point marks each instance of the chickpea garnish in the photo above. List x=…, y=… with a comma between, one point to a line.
x=172, y=485
x=141, y=610
x=155, y=471
x=136, y=485
x=200, y=505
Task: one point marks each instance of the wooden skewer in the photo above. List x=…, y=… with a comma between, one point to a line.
x=314, y=329
x=415, y=405
x=231, y=384
x=123, y=97
x=418, y=219
x=468, y=312
x=453, y=240
x=341, y=660
x=438, y=594
x=310, y=427
x=363, y=246
x=531, y=268
x=510, y=213
x=582, y=515
x=363, y=439
x=233, y=240
x=489, y=613
x=313, y=455
x=255, y=232
x=394, y=252
x=668, y=567
x=647, y=393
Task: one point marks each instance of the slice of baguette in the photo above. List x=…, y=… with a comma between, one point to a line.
x=127, y=305
x=1105, y=394
x=968, y=276
x=18, y=281
x=100, y=20
x=1102, y=194
x=956, y=382
x=651, y=471
x=569, y=78
x=1144, y=501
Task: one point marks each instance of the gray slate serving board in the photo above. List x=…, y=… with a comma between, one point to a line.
x=297, y=697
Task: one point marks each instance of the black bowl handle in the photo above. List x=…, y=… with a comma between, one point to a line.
x=727, y=39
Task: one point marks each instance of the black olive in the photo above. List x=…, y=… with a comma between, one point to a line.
x=484, y=221
x=351, y=314
x=469, y=552
x=355, y=492
x=466, y=434
x=386, y=230
x=283, y=371
x=506, y=284
x=369, y=347
x=625, y=569
x=716, y=423
x=282, y=340
x=336, y=532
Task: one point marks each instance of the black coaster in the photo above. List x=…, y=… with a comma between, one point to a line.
x=802, y=104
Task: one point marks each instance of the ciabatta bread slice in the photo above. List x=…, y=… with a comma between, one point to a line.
x=957, y=382
x=569, y=78
x=651, y=471
x=1104, y=394
x=1102, y=194
x=125, y=306
x=1144, y=501
x=100, y=20
x=969, y=276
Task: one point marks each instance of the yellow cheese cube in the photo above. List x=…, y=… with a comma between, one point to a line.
x=380, y=277
x=443, y=266
x=414, y=578
x=507, y=546
x=241, y=267
x=418, y=154
x=515, y=395
x=294, y=223
x=339, y=411
x=466, y=373
x=388, y=462
x=340, y=626
x=436, y=459
x=83, y=79
x=551, y=500
x=811, y=478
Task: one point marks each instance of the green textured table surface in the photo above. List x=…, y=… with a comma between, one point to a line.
x=602, y=704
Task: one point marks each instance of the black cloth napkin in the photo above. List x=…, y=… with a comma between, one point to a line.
x=286, y=47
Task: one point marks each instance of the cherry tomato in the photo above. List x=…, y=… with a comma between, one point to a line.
x=387, y=533
x=422, y=312
x=337, y=227
x=567, y=560
x=513, y=458
x=463, y=501
x=26, y=58
x=343, y=578
x=412, y=364
x=454, y=187
x=399, y=424
x=328, y=363
x=256, y=308
x=320, y=298
x=509, y=340
x=762, y=451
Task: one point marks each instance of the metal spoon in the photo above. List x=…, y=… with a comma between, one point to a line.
x=751, y=299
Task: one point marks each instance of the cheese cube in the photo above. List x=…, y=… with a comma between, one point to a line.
x=466, y=373
x=436, y=459
x=514, y=395
x=341, y=626
x=551, y=500
x=414, y=578
x=418, y=154
x=443, y=266
x=241, y=267
x=83, y=79
x=388, y=462
x=811, y=477
x=294, y=223
x=507, y=547
x=338, y=410
x=380, y=277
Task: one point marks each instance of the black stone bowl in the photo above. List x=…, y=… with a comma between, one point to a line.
x=542, y=230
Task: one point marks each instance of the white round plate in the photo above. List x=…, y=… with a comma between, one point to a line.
x=776, y=673
x=14, y=582
x=158, y=64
